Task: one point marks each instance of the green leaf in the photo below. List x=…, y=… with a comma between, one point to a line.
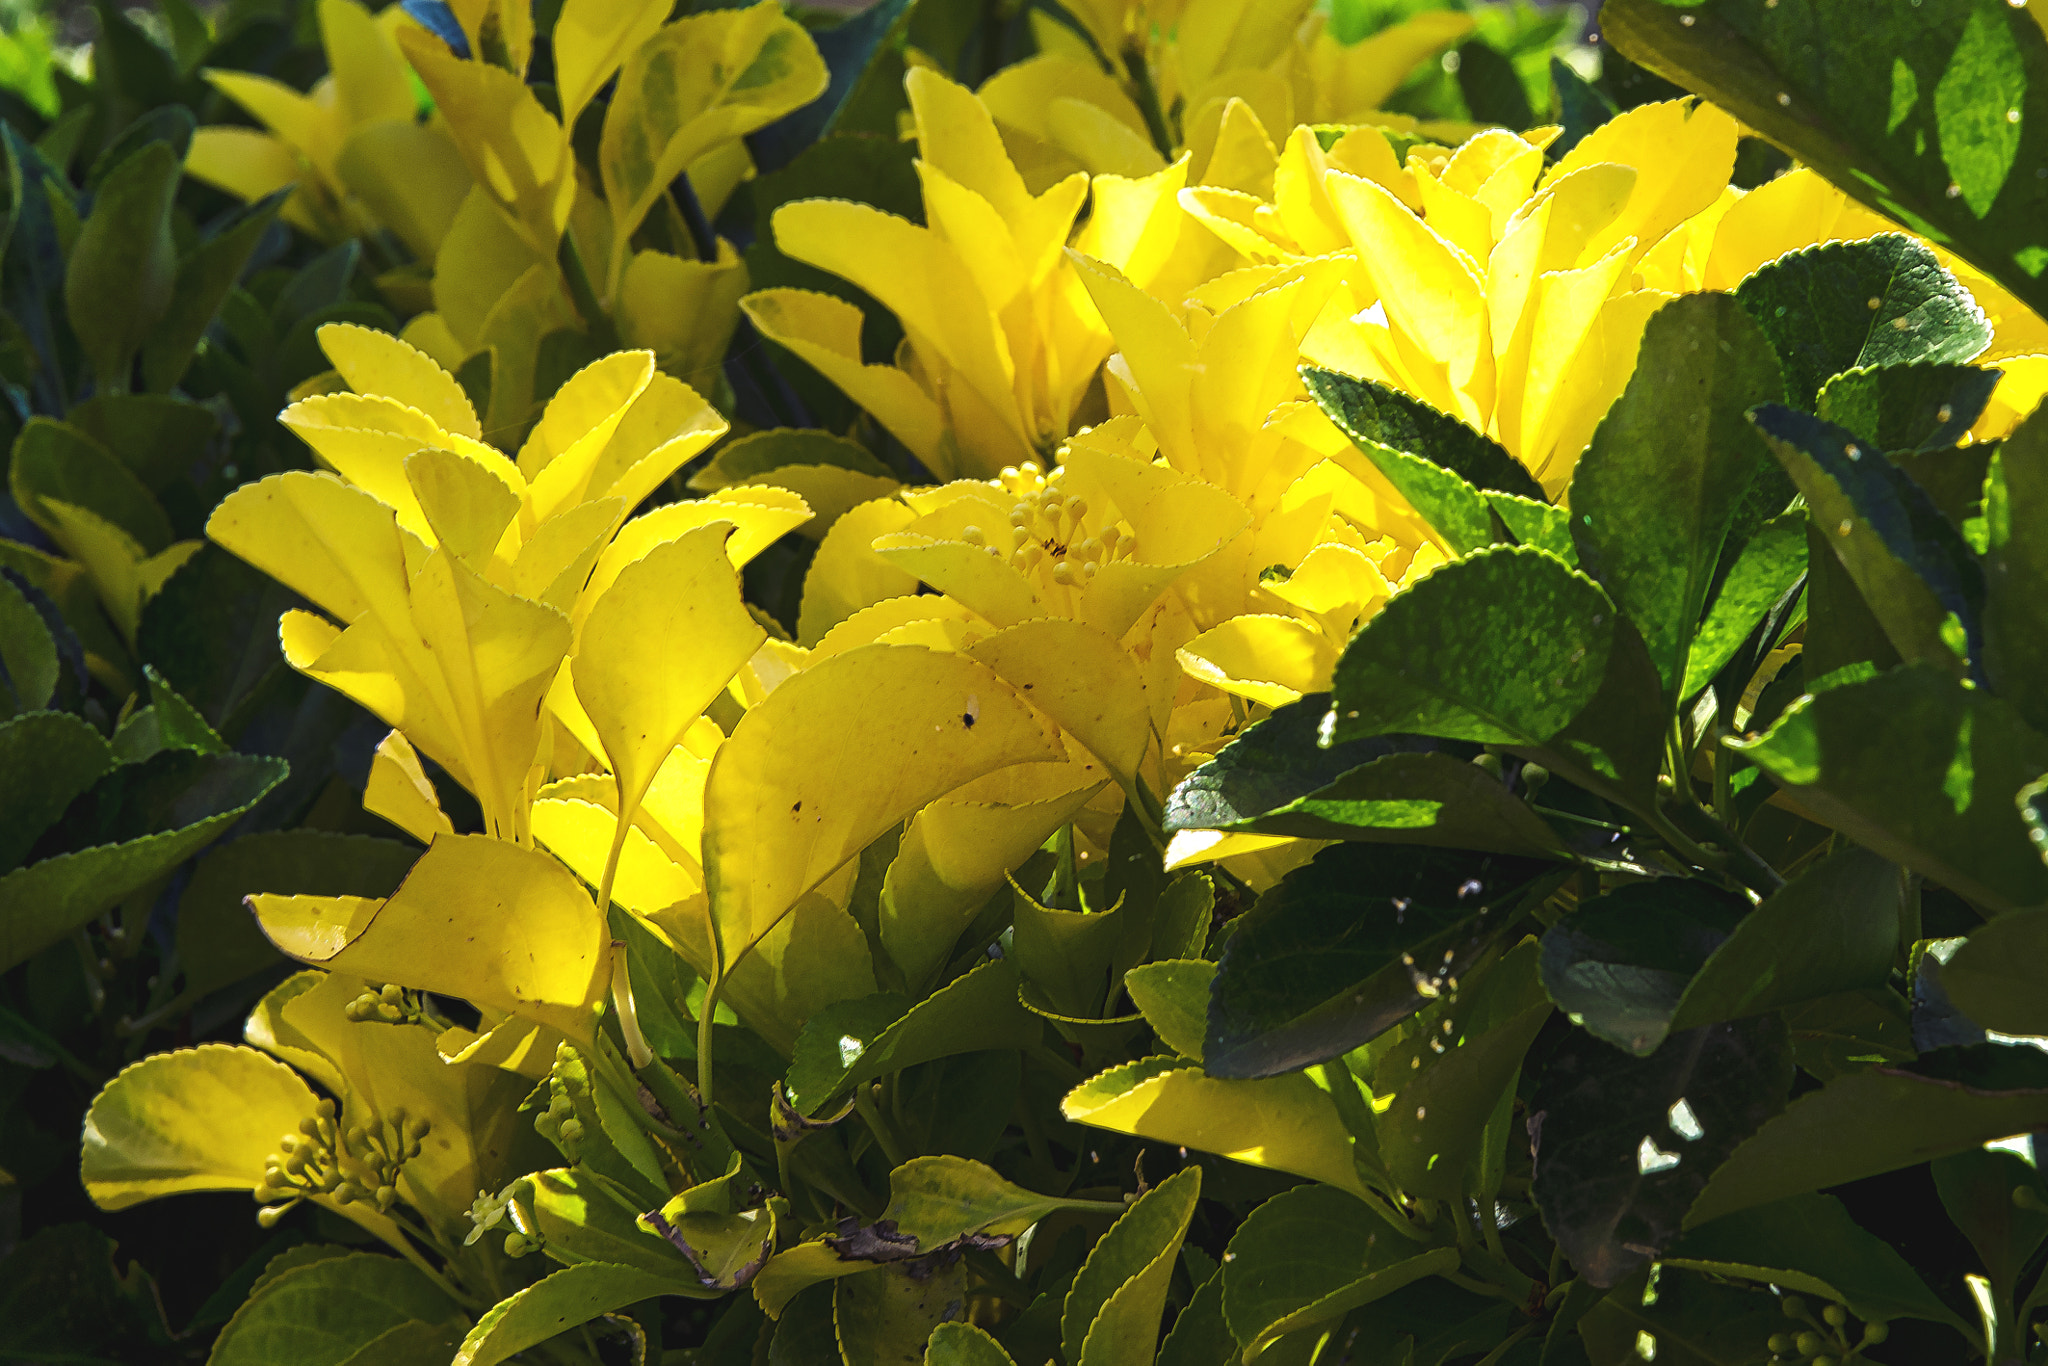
x=1921, y=770
x=887, y=1315
x=1449, y=1077
x=1173, y=995
x=962, y=1344
x=1909, y=109
x=1620, y=963
x=65, y=755
x=940, y=1200
x=1996, y=978
x=1909, y=409
x=974, y=1013
x=1434, y=661
x=1769, y=566
x=196, y=1119
x=203, y=281
x=1656, y=496
x=62, y=1298
x=1350, y=945
x=1816, y=306
x=1284, y=1123
x=55, y=462
x=322, y=1313
x=1882, y=1119
x=29, y=667
x=212, y=633
x=1311, y=1255
x=2016, y=570
x=583, y=1219
x=157, y=826
x=1200, y=1335
x=1112, y=1313
x=157, y=437
x=123, y=273
x=1809, y=1244
x=1909, y=562
x=1065, y=956
x=1543, y=525
x=759, y=453
x=1439, y=464
x=1691, y=1320
x=1623, y=1145
x=1274, y=779
x=554, y=1304
x=1978, y=1189
x=218, y=940
x=1833, y=928
x=409, y=1344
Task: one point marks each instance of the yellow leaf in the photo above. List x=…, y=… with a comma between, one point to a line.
x=657, y=647
x=376, y=362
x=465, y=505
x=555, y=563
x=704, y=80
x=370, y=79
x=580, y=833
x=582, y=417
x=503, y=927
x=331, y=543
x=1083, y=680
x=197, y=1119
x=591, y=39
x=667, y=425
x=847, y=575
x=411, y=178
x=956, y=852
x=299, y=122
x=789, y=800
x=1283, y=1123
x=824, y=332
x=814, y=956
x=758, y=515
x=398, y=790
x=515, y=149
x=244, y=162
x=1267, y=659
x=683, y=311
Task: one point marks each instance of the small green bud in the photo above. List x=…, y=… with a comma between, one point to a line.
x=1809, y=1344
x=1779, y=1344
x=1825, y=1361
x=572, y=1130
x=1534, y=776
x=1792, y=1307
x=347, y=1193
x=325, y=1109
x=1489, y=763
x=1835, y=1315
x=268, y=1216
x=1874, y=1333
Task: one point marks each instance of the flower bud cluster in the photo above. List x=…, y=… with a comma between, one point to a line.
x=488, y=1211
x=558, y=1123
x=386, y=1004
x=357, y=1163
x=1051, y=536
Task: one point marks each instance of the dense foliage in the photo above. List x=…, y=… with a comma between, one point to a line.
x=1140, y=681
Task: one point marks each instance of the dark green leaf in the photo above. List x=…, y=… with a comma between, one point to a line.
x=320, y=1313
x=212, y=633
x=974, y=1013
x=62, y=1298
x=1510, y=647
x=1690, y=1319
x=1909, y=562
x=1308, y=1256
x=218, y=940
x=2016, y=570
x=1453, y=1075
x=1909, y=409
x=1580, y=109
x=1492, y=89
x=164, y=815
x=1809, y=1244
x=1978, y=1189
x=52, y=757
x=1352, y=944
x=1922, y=770
x=29, y=666
x=55, y=461
x=157, y=437
x=1752, y=594
x=1841, y=630
x=1200, y=1335
x=1543, y=525
x=1845, y=306
x=122, y=274
x=172, y=124
x=1832, y=929
x=1112, y=1312
x=203, y=281
x=1437, y=462
x=1623, y=1145
x=1997, y=977
x=1620, y=964
x=1882, y=1119
x=1921, y=111
x=1656, y=494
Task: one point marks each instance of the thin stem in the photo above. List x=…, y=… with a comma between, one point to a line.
x=704, y=1013
x=864, y=1101
x=1478, y=1287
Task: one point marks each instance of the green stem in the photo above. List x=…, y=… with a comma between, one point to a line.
x=863, y=1100
x=704, y=1016
x=1145, y=95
